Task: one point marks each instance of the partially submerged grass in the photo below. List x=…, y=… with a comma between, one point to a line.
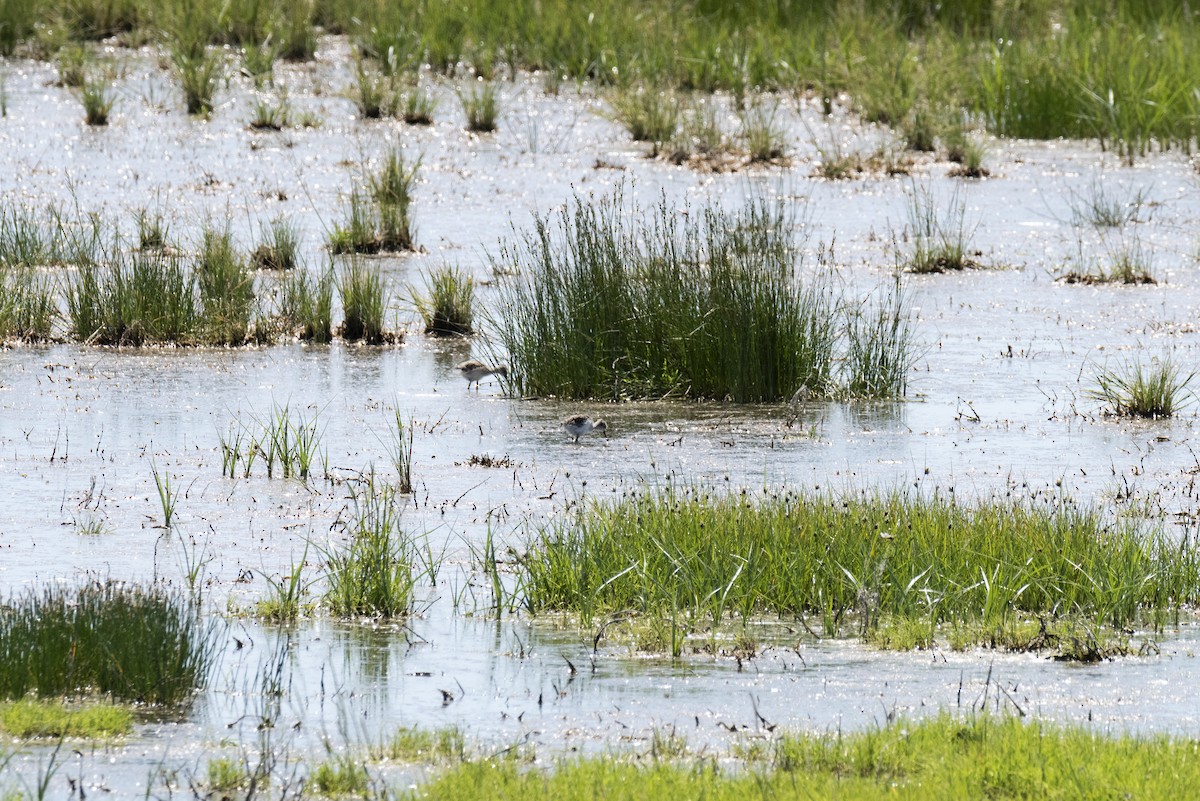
x=649, y=115
x=379, y=211
x=199, y=73
x=288, y=444
x=286, y=599
x=1128, y=261
x=373, y=573
x=306, y=306
x=763, y=134
x=373, y=92
x=97, y=98
x=364, y=303
x=342, y=775
x=226, y=289
x=34, y=718
x=401, y=450
x=416, y=105
x=706, y=304
x=1108, y=204
x=1134, y=389
x=136, y=298
x=479, y=106
x=938, y=239
x=448, y=304
x=28, y=309
x=131, y=643
x=280, y=246
x=693, y=559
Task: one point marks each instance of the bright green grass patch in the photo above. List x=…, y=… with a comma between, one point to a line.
x=1134, y=389
x=414, y=744
x=944, y=758
x=613, y=303
x=29, y=718
x=854, y=563
x=341, y=776
x=132, y=643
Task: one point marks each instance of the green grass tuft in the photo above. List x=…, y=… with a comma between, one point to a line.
x=30, y=718
x=706, y=305
x=131, y=643
x=693, y=559
x=1137, y=390
x=447, y=306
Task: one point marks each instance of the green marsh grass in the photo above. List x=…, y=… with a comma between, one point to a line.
x=31, y=718
x=380, y=216
x=941, y=758
x=97, y=98
x=342, y=775
x=151, y=230
x=880, y=348
x=763, y=133
x=854, y=564
x=258, y=61
x=72, y=63
x=416, y=105
x=168, y=496
x=1128, y=261
x=1107, y=204
x=306, y=305
x=279, y=246
x=968, y=153
x=28, y=305
x=364, y=303
x=225, y=773
x=392, y=190
x=480, y=107
x=938, y=239
x=401, y=451
x=1135, y=389
x=226, y=289
x=286, y=600
x=610, y=304
x=373, y=93
x=288, y=444
x=448, y=304
x=270, y=116
x=423, y=746
x=134, y=299
x=373, y=573
x=139, y=644
x=649, y=115
x=199, y=73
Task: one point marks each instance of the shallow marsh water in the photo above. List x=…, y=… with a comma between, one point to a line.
x=997, y=405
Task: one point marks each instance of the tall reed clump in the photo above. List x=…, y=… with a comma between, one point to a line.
x=448, y=304
x=28, y=307
x=880, y=347
x=199, y=72
x=938, y=239
x=226, y=289
x=364, y=303
x=375, y=571
x=1137, y=390
x=128, y=642
x=97, y=98
x=705, y=305
x=480, y=107
x=858, y=561
x=306, y=306
x=380, y=212
x=133, y=299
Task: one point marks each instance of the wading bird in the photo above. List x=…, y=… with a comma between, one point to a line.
x=474, y=371
x=581, y=425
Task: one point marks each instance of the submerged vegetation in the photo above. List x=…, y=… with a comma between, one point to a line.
x=1011, y=575
x=708, y=304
